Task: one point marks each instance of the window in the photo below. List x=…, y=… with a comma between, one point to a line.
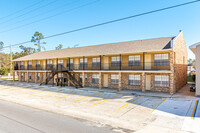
x=21, y=64
x=60, y=75
x=49, y=63
x=95, y=78
x=82, y=78
x=161, y=59
x=29, y=75
x=60, y=63
x=37, y=63
x=134, y=60
x=115, y=61
x=161, y=81
x=96, y=62
x=38, y=76
x=70, y=63
x=134, y=79
x=29, y=64
x=83, y=62
x=114, y=79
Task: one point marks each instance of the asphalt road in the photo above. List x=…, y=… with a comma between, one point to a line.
x=16, y=118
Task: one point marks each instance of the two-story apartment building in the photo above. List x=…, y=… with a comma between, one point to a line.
x=158, y=64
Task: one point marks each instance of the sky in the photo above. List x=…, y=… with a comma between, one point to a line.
x=20, y=19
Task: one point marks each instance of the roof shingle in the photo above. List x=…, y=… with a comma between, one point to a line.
x=157, y=44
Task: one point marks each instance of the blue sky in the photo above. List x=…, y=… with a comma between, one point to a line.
x=74, y=14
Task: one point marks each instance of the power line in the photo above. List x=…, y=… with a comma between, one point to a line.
x=22, y=9
x=66, y=4
x=29, y=12
x=89, y=3
x=112, y=21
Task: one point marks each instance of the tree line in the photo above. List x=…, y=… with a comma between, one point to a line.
x=36, y=40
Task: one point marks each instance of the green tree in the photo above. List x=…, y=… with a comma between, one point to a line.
x=1, y=45
x=25, y=51
x=36, y=40
x=191, y=62
x=60, y=46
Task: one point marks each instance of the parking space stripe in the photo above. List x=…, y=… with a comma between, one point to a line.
x=88, y=97
x=105, y=100
x=57, y=92
x=70, y=95
x=128, y=103
x=158, y=105
x=195, y=109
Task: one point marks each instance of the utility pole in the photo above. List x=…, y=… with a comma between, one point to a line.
x=10, y=60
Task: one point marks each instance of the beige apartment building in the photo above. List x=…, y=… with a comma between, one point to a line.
x=158, y=64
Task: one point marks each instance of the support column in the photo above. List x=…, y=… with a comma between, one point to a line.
x=13, y=76
x=27, y=78
x=171, y=76
x=100, y=80
x=19, y=76
x=83, y=79
x=143, y=79
x=120, y=81
x=36, y=77
x=171, y=84
x=68, y=80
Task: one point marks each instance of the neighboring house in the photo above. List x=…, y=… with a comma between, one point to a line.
x=196, y=50
x=158, y=64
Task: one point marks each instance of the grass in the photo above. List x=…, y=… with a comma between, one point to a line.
x=189, y=79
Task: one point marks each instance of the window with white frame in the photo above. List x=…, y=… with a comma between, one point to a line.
x=161, y=81
x=81, y=77
x=134, y=79
x=96, y=62
x=49, y=63
x=21, y=64
x=37, y=63
x=38, y=76
x=134, y=60
x=30, y=64
x=83, y=62
x=114, y=79
x=60, y=75
x=161, y=59
x=95, y=78
x=115, y=61
x=60, y=63
x=29, y=75
x=70, y=63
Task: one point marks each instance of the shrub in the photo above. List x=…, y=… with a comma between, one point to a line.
x=4, y=71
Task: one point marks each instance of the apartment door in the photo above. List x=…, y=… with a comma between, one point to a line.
x=147, y=61
x=106, y=63
x=105, y=80
x=148, y=82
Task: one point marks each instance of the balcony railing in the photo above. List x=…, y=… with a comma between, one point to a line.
x=102, y=66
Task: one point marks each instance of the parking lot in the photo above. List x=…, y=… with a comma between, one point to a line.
x=125, y=111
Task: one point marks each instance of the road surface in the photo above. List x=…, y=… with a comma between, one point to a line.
x=21, y=119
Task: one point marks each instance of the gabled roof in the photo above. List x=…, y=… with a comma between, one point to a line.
x=148, y=45
x=193, y=47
